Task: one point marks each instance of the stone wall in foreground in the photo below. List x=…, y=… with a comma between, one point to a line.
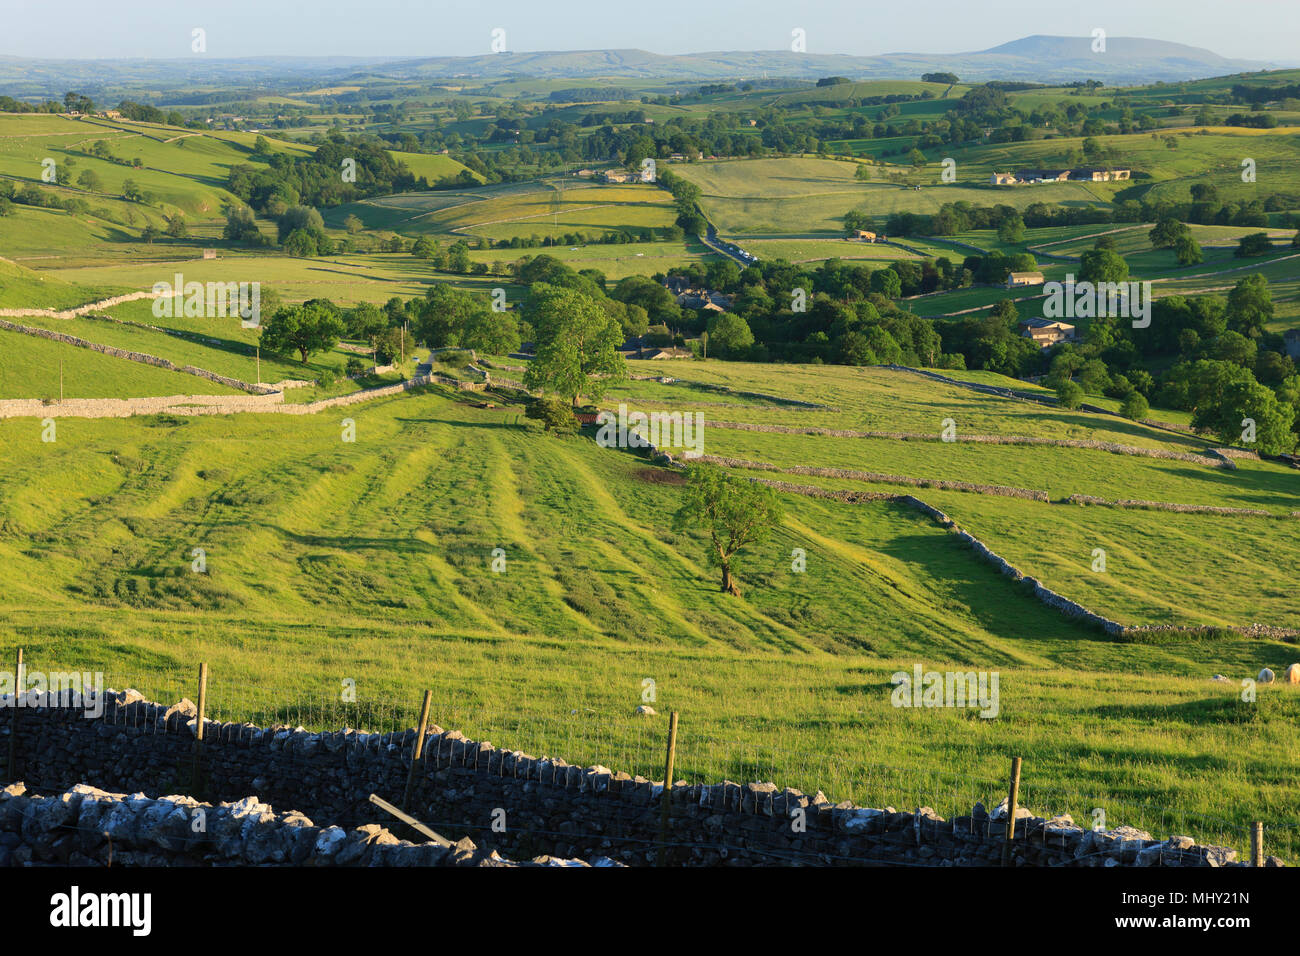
x=511, y=802
x=88, y=827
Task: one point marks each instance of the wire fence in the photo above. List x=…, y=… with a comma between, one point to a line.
x=764, y=750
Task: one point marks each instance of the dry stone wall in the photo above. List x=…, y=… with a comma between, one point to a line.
x=1040, y=591
x=1214, y=461
x=153, y=405
x=1179, y=508
x=141, y=357
x=549, y=807
x=211, y=404
x=728, y=390
x=81, y=309
x=85, y=826
x=871, y=476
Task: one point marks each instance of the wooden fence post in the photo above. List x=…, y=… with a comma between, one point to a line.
x=418, y=754
x=198, y=730
x=12, y=770
x=1257, y=843
x=1013, y=798
x=666, y=799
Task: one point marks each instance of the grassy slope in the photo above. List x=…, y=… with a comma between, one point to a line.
x=371, y=561
x=1051, y=542
x=31, y=367
x=22, y=288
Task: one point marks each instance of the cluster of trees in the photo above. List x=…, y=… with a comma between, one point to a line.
x=300, y=230
x=1205, y=208
x=72, y=101
x=31, y=195
x=1244, y=93
x=1169, y=233
x=588, y=94
x=1208, y=355
x=1253, y=120
x=445, y=317
x=838, y=312
x=686, y=200
x=848, y=317
x=144, y=113
x=319, y=179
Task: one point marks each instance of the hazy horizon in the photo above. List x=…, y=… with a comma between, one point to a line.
x=238, y=29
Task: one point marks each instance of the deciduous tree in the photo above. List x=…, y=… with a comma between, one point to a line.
x=735, y=514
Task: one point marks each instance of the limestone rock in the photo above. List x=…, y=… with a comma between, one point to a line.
x=184, y=706
x=1000, y=811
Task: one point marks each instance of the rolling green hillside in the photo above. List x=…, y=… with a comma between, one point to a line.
x=373, y=560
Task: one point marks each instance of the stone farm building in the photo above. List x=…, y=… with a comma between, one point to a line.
x=691, y=298
x=1046, y=332
x=1092, y=174
x=1018, y=280
x=628, y=176
x=1096, y=174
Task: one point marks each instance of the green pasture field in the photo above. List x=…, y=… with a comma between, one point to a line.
x=49, y=237
x=371, y=560
x=23, y=288
x=546, y=211
x=432, y=166
x=905, y=403
x=868, y=88
x=398, y=211
x=1169, y=415
x=880, y=399
x=215, y=345
x=533, y=209
x=1136, y=240
x=30, y=367
x=183, y=169
x=616, y=260
x=811, y=196
x=344, y=279
x=817, y=250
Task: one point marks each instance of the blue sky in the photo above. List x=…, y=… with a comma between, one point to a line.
x=1262, y=29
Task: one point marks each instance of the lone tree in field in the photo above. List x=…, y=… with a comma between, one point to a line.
x=576, y=344
x=303, y=329
x=735, y=512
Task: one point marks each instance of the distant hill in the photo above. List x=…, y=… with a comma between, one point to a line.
x=1127, y=60
x=1039, y=58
